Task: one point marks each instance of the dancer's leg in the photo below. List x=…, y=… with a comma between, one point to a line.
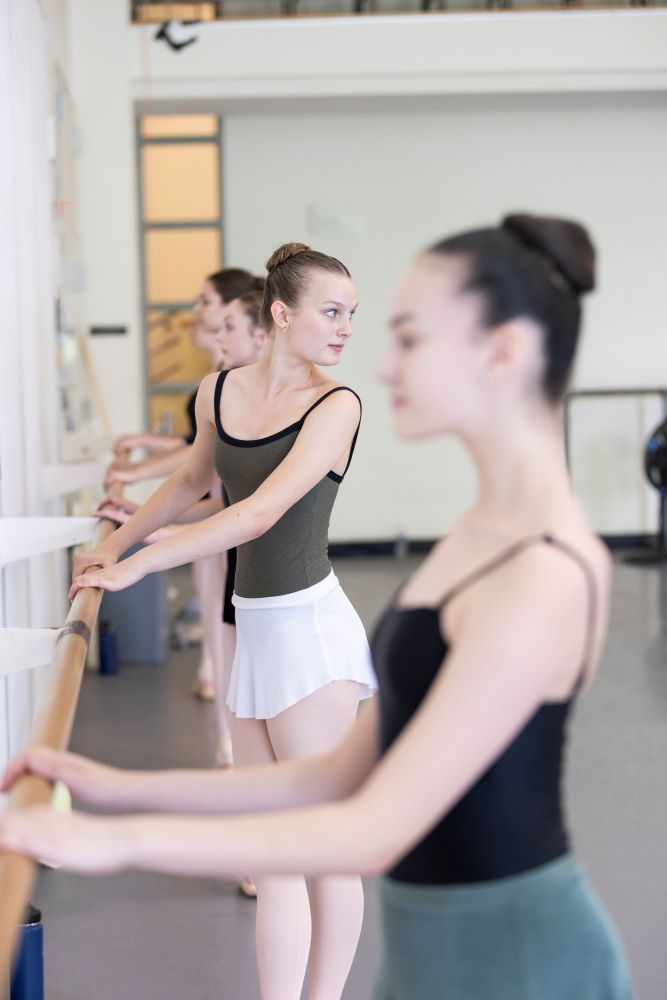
x=224, y=755
x=315, y=725
x=283, y=912
x=210, y=578
x=203, y=685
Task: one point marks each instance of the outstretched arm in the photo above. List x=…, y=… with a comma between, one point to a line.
x=154, y=467
x=325, y=778
x=494, y=680
x=115, y=509
x=86, y=844
x=183, y=488
x=157, y=443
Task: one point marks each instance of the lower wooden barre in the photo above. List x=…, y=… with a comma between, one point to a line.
x=52, y=727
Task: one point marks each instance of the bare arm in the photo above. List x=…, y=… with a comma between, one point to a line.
x=154, y=467
x=324, y=438
x=183, y=488
x=495, y=679
x=325, y=778
x=198, y=512
x=201, y=510
x=113, y=510
x=151, y=442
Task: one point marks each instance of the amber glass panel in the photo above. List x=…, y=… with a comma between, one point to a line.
x=181, y=183
x=171, y=354
x=167, y=413
x=178, y=126
x=177, y=261
x=157, y=13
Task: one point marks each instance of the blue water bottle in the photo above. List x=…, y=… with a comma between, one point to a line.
x=28, y=977
x=108, y=649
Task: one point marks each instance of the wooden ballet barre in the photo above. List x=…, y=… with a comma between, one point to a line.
x=52, y=727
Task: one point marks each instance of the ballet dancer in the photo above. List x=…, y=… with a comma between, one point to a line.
x=450, y=783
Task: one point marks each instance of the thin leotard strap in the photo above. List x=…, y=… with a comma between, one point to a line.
x=217, y=396
x=519, y=547
x=339, y=388
x=216, y=401
x=353, y=445
x=591, y=609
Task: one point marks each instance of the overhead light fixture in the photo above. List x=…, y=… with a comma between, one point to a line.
x=177, y=34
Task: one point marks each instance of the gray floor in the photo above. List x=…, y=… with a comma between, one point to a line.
x=147, y=937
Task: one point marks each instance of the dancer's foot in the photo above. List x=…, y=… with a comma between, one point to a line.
x=204, y=690
x=247, y=888
x=224, y=757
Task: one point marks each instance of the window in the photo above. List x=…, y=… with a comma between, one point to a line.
x=181, y=242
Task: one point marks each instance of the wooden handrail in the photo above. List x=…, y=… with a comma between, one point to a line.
x=52, y=727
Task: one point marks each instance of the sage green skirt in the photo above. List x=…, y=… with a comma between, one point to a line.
x=541, y=935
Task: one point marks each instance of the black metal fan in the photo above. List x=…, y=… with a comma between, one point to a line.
x=655, y=466
x=655, y=458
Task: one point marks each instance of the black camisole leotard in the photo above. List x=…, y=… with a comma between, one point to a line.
x=511, y=820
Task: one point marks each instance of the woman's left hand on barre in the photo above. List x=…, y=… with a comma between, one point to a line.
x=116, y=577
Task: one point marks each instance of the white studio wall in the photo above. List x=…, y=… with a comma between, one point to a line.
x=372, y=138
x=100, y=80
x=374, y=188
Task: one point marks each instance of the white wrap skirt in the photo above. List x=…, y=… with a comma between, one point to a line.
x=291, y=645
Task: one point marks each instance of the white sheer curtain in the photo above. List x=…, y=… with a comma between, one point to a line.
x=27, y=339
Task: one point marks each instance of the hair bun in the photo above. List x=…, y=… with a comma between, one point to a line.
x=284, y=253
x=565, y=244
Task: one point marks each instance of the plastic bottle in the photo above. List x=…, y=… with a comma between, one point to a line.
x=108, y=649
x=28, y=977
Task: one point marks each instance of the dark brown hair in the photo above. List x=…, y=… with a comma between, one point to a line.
x=535, y=267
x=289, y=268
x=251, y=302
x=232, y=282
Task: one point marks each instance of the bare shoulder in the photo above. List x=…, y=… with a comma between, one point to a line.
x=554, y=600
x=560, y=582
x=332, y=383
x=247, y=375
x=559, y=568
x=204, y=405
x=339, y=395
x=333, y=415
x=242, y=385
x=207, y=386
x=205, y=408
x=588, y=554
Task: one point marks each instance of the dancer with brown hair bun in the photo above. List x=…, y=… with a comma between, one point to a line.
x=208, y=312
x=301, y=662
x=283, y=434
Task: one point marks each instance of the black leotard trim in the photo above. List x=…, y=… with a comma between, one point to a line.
x=256, y=442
